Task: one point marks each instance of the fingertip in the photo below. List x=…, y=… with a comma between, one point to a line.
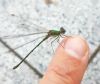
x=76, y=45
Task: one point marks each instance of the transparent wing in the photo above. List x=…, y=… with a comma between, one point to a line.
x=20, y=37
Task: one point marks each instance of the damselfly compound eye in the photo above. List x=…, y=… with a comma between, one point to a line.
x=62, y=30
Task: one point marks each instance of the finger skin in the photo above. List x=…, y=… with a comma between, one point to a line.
x=65, y=67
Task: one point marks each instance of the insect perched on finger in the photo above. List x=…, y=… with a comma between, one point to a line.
x=51, y=33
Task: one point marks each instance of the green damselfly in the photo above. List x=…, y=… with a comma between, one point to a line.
x=51, y=33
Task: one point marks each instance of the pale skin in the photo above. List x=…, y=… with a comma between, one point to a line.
x=69, y=63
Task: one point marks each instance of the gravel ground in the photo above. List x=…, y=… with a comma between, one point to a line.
x=28, y=16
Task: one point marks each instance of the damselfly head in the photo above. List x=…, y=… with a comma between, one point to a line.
x=62, y=30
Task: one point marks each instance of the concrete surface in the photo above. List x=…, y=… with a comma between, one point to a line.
x=20, y=16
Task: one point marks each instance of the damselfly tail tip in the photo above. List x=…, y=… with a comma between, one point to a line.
x=15, y=67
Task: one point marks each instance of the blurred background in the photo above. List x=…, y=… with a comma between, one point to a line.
x=78, y=17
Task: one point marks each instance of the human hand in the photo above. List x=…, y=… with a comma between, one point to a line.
x=69, y=63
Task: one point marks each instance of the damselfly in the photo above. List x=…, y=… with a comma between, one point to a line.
x=51, y=33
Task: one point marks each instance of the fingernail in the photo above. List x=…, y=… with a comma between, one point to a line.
x=76, y=47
